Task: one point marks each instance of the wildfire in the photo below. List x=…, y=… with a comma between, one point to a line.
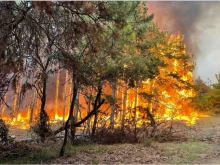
x=168, y=96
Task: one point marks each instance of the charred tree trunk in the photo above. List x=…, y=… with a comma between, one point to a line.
x=75, y=88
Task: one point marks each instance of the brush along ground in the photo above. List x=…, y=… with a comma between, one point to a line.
x=202, y=146
x=157, y=153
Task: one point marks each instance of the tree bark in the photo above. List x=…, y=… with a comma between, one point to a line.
x=75, y=117
x=75, y=87
x=135, y=110
x=44, y=95
x=114, y=88
x=124, y=108
x=43, y=114
x=89, y=120
x=97, y=101
x=32, y=106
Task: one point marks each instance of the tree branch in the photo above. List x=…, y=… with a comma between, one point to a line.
x=90, y=114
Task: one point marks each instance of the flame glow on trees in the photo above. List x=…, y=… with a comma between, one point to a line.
x=167, y=94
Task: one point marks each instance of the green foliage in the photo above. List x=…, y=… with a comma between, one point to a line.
x=214, y=95
x=207, y=97
x=148, y=142
x=202, y=102
x=23, y=153
x=187, y=151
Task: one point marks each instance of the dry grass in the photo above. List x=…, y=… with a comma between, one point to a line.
x=114, y=154
x=202, y=146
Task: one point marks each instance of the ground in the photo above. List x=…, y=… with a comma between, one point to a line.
x=201, y=147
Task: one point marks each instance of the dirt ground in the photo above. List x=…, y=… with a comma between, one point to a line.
x=158, y=153
x=201, y=147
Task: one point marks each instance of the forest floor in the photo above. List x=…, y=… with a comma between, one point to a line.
x=202, y=146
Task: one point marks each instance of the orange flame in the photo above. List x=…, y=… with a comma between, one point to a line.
x=169, y=103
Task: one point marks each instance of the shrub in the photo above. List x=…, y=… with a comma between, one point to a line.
x=42, y=128
x=148, y=142
x=108, y=136
x=3, y=132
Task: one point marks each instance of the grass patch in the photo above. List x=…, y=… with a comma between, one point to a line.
x=79, y=148
x=148, y=142
x=43, y=154
x=86, y=148
x=185, y=152
x=46, y=153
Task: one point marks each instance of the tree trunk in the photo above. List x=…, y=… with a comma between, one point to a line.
x=75, y=87
x=90, y=114
x=64, y=95
x=97, y=101
x=75, y=117
x=88, y=111
x=150, y=117
x=43, y=114
x=94, y=124
x=32, y=106
x=124, y=108
x=114, y=88
x=44, y=95
x=135, y=110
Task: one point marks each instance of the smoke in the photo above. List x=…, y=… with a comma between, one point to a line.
x=199, y=22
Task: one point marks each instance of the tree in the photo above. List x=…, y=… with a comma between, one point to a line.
x=134, y=63
x=87, y=61
x=201, y=100
x=168, y=94
x=11, y=61
x=214, y=94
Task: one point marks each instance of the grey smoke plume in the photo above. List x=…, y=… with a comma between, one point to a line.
x=199, y=22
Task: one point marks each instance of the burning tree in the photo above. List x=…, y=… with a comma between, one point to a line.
x=168, y=95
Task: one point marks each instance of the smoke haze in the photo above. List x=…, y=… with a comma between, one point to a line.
x=199, y=22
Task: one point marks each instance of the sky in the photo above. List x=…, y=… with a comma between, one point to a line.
x=199, y=22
